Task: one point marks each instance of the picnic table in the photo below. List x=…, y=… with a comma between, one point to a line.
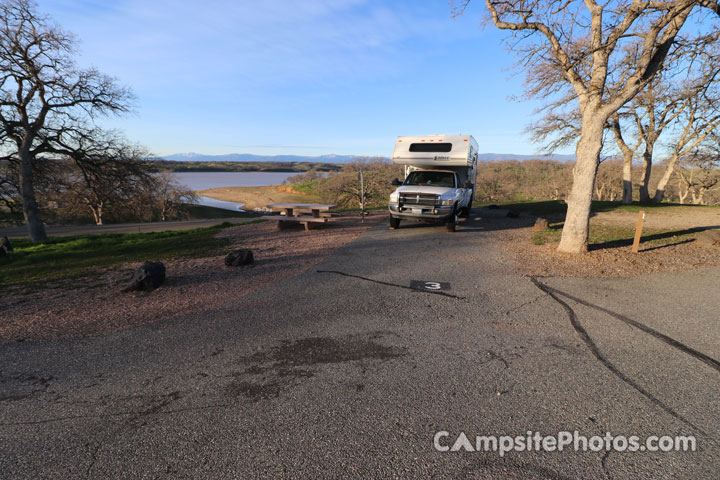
x=303, y=213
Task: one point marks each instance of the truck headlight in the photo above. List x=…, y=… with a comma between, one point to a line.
x=447, y=203
x=394, y=197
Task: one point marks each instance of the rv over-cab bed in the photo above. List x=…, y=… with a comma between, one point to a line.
x=436, y=151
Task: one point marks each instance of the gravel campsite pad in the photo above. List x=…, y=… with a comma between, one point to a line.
x=93, y=305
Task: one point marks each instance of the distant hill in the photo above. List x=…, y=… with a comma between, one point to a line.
x=248, y=157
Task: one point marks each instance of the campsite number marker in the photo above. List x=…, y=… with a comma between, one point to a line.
x=432, y=286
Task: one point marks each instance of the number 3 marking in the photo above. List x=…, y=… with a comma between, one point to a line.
x=432, y=286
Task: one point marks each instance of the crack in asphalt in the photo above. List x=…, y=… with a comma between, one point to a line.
x=434, y=292
x=523, y=305
x=580, y=330
x=132, y=422
x=634, y=323
x=603, y=462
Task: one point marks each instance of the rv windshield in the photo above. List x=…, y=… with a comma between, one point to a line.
x=431, y=179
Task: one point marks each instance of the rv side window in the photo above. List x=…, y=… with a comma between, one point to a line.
x=431, y=147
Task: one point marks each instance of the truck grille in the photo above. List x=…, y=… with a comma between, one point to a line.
x=428, y=199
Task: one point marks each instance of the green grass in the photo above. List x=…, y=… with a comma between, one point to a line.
x=309, y=188
x=605, y=236
x=556, y=207
x=77, y=256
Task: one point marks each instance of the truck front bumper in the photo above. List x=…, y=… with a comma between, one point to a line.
x=421, y=212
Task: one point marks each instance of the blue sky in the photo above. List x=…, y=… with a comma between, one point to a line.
x=307, y=77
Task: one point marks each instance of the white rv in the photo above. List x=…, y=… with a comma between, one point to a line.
x=439, y=183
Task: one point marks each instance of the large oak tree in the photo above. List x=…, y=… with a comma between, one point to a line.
x=582, y=43
x=41, y=92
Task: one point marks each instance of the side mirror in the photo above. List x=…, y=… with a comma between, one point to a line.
x=467, y=185
x=396, y=183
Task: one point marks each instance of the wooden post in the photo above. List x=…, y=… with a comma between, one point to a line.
x=362, y=197
x=638, y=231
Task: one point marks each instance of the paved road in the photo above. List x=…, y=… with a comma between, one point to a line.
x=65, y=230
x=345, y=372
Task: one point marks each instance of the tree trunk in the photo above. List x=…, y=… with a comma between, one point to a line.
x=31, y=211
x=627, y=178
x=646, y=171
x=662, y=185
x=682, y=196
x=577, y=221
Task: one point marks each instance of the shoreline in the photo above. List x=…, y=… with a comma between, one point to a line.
x=258, y=197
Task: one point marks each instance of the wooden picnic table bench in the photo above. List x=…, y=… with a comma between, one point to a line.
x=303, y=213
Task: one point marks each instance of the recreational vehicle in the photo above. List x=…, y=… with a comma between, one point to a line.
x=439, y=183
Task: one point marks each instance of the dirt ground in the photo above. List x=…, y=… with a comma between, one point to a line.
x=94, y=305
x=514, y=237
x=258, y=197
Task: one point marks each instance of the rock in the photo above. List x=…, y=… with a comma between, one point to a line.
x=5, y=246
x=709, y=238
x=148, y=277
x=541, y=224
x=239, y=258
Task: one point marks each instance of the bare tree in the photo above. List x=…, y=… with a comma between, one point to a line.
x=653, y=110
x=608, y=180
x=698, y=121
x=628, y=154
x=576, y=42
x=106, y=168
x=344, y=187
x=168, y=197
x=698, y=171
x=41, y=87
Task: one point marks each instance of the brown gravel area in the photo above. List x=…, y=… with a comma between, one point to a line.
x=94, y=305
x=515, y=241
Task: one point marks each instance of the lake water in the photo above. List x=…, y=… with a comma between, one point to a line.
x=205, y=180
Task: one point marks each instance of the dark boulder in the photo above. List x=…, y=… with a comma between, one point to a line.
x=239, y=258
x=5, y=246
x=148, y=277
